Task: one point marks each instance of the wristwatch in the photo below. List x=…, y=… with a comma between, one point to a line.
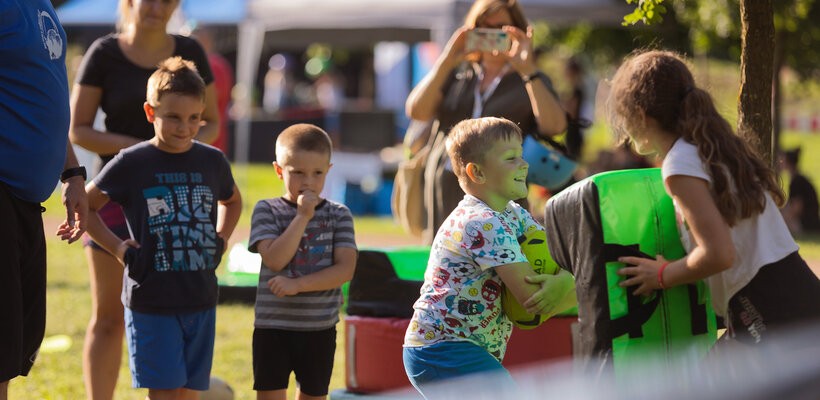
x=531, y=77
x=72, y=172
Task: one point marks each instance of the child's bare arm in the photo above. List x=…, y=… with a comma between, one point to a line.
x=344, y=265
x=540, y=299
x=98, y=230
x=513, y=276
x=561, y=286
x=714, y=250
x=228, y=214
x=277, y=253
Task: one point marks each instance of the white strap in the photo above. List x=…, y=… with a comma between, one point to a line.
x=479, y=98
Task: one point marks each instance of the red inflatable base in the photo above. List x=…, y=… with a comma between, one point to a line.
x=373, y=361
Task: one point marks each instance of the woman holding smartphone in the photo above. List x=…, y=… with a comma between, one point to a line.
x=113, y=76
x=481, y=82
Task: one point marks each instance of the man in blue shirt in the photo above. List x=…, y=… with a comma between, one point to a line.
x=34, y=149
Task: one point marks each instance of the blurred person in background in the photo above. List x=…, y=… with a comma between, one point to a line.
x=223, y=83
x=113, y=76
x=464, y=85
x=278, y=84
x=801, y=209
x=577, y=106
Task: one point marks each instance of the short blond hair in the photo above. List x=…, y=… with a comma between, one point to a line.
x=303, y=137
x=471, y=139
x=174, y=75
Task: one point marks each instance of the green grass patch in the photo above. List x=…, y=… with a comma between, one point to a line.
x=58, y=375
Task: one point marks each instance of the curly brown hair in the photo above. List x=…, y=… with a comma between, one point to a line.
x=658, y=84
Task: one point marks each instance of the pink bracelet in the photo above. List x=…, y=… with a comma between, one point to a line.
x=660, y=275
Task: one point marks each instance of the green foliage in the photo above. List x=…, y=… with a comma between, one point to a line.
x=799, y=34
x=602, y=46
x=58, y=374
x=647, y=11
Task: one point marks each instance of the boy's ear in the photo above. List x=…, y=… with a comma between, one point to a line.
x=278, y=169
x=149, y=112
x=474, y=172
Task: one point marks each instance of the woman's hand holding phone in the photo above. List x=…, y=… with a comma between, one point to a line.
x=520, y=52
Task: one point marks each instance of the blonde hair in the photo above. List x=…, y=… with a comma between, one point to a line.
x=482, y=8
x=174, y=75
x=658, y=84
x=471, y=139
x=302, y=137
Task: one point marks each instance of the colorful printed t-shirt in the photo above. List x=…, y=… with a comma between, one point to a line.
x=461, y=295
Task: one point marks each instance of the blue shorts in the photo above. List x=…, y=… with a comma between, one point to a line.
x=426, y=365
x=170, y=351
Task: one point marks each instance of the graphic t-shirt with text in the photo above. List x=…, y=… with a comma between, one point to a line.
x=170, y=203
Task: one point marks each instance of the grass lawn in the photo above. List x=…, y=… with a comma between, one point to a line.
x=58, y=374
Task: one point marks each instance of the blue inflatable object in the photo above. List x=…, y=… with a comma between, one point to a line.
x=548, y=167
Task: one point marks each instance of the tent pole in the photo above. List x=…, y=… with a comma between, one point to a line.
x=251, y=35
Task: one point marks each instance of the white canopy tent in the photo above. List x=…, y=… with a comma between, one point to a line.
x=378, y=20
x=297, y=23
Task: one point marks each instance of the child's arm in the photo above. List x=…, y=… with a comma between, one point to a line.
x=714, y=250
x=228, y=215
x=344, y=264
x=98, y=230
x=277, y=253
x=532, y=296
x=561, y=282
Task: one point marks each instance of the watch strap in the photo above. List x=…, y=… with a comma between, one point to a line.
x=72, y=172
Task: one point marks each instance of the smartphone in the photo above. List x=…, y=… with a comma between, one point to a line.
x=487, y=40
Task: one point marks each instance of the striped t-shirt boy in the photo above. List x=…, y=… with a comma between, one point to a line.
x=330, y=227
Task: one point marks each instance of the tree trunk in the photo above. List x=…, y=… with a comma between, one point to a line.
x=777, y=89
x=756, y=59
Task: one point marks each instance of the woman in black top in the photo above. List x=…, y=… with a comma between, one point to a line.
x=113, y=76
x=463, y=85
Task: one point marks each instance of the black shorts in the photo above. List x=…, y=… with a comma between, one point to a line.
x=782, y=294
x=22, y=284
x=308, y=354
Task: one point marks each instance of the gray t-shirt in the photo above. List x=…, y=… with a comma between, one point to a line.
x=330, y=227
x=170, y=203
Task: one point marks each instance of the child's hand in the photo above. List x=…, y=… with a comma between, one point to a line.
x=557, y=293
x=642, y=272
x=282, y=286
x=306, y=203
x=123, y=248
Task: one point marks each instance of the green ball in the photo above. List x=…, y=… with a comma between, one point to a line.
x=534, y=247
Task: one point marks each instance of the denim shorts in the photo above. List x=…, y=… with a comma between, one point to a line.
x=170, y=351
x=427, y=365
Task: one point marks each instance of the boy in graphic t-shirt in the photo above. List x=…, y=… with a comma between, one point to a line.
x=181, y=206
